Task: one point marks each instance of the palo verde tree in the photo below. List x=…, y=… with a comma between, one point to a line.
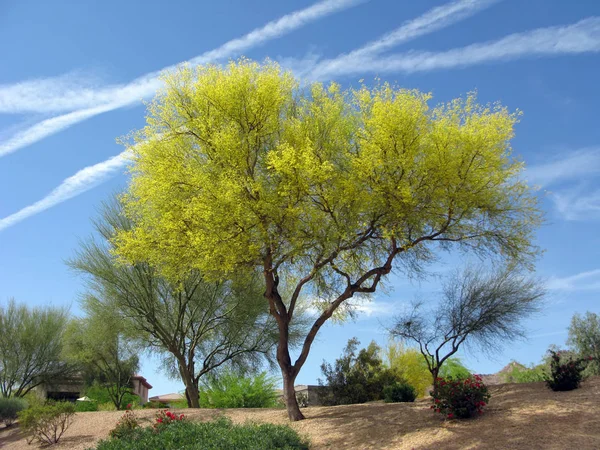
x=197, y=325
x=324, y=191
x=31, y=344
x=98, y=343
x=584, y=338
x=478, y=309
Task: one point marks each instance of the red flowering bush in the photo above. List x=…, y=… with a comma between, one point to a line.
x=460, y=398
x=565, y=373
x=126, y=424
x=165, y=418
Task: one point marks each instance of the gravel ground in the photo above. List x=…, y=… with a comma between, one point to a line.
x=519, y=416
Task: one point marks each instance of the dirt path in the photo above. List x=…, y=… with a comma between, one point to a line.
x=519, y=416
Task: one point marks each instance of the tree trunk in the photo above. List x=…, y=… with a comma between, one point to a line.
x=289, y=396
x=191, y=394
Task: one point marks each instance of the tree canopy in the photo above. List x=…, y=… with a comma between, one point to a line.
x=197, y=325
x=584, y=338
x=478, y=309
x=31, y=345
x=322, y=190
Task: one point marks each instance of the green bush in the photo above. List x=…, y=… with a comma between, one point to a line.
x=86, y=406
x=461, y=398
x=47, y=423
x=101, y=395
x=229, y=390
x=155, y=405
x=399, y=392
x=125, y=426
x=565, y=375
x=218, y=435
x=520, y=374
x=9, y=408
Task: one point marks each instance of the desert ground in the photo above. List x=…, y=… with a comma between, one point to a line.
x=519, y=416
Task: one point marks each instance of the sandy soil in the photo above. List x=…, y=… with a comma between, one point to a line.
x=519, y=416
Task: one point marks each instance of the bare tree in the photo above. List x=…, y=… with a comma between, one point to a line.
x=478, y=308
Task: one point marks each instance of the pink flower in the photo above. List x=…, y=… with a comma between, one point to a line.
x=450, y=416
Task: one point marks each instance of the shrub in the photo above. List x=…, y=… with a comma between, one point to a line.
x=107, y=407
x=178, y=404
x=459, y=398
x=565, y=375
x=86, y=406
x=229, y=390
x=399, y=392
x=520, y=374
x=356, y=377
x=125, y=426
x=9, y=408
x=47, y=423
x=217, y=435
x=155, y=405
x=166, y=418
x=102, y=396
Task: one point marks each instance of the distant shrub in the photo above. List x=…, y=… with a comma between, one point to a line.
x=125, y=426
x=107, y=407
x=459, y=398
x=565, y=374
x=9, y=408
x=88, y=406
x=101, y=395
x=519, y=374
x=155, y=405
x=302, y=399
x=454, y=368
x=229, y=390
x=178, y=404
x=217, y=435
x=399, y=392
x=47, y=423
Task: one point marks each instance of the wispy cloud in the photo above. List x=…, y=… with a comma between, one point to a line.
x=82, y=181
x=580, y=37
x=584, y=281
x=577, y=204
x=570, y=166
x=68, y=93
x=433, y=20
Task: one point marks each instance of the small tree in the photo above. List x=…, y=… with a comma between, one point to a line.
x=197, y=325
x=584, y=338
x=323, y=192
x=31, y=343
x=478, y=309
x=356, y=377
x=98, y=344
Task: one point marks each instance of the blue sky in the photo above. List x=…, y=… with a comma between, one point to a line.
x=73, y=76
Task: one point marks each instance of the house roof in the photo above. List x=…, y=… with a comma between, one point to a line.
x=143, y=381
x=167, y=397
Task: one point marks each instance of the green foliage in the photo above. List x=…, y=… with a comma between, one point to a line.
x=454, y=368
x=220, y=434
x=231, y=390
x=89, y=406
x=103, y=394
x=240, y=167
x=9, y=407
x=31, y=343
x=165, y=419
x=521, y=374
x=356, y=378
x=47, y=423
x=108, y=406
x=155, y=405
x=408, y=364
x=125, y=426
x=178, y=404
x=399, y=392
x=566, y=372
x=584, y=338
x=459, y=398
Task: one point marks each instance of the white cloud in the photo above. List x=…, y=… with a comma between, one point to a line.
x=580, y=37
x=433, y=20
x=571, y=166
x=584, y=281
x=577, y=204
x=82, y=181
x=67, y=93
x=70, y=92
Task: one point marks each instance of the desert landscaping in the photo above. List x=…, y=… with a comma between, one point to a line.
x=519, y=416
